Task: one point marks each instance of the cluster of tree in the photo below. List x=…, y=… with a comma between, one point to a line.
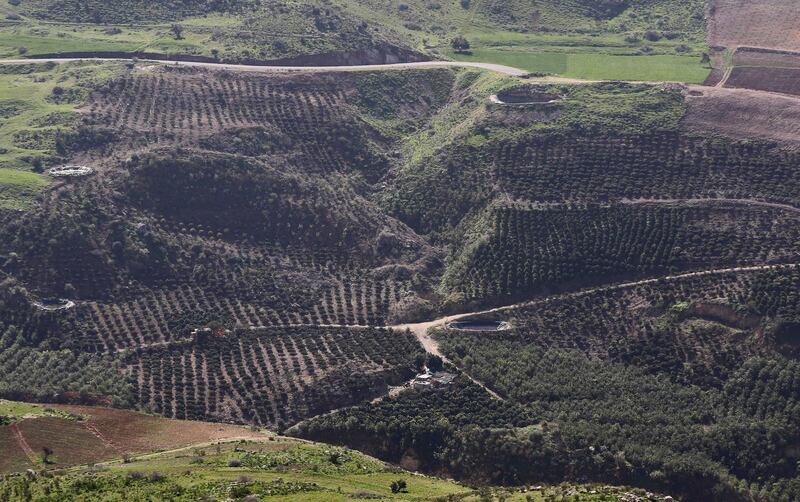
x=271, y=377
x=577, y=431
x=138, y=485
x=126, y=11
x=589, y=380
x=33, y=373
x=245, y=196
x=596, y=167
x=533, y=250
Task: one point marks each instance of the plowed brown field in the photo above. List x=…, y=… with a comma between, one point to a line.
x=782, y=80
x=744, y=114
x=763, y=23
x=104, y=434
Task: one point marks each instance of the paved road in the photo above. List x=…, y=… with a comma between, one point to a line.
x=507, y=70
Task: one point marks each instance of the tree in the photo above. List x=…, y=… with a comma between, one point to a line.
x=46, y=451
x=177, y=31
x=434, y=362
x=398, y=486
x=460, y=44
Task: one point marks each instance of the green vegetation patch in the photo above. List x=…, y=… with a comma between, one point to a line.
x=13, y=411
x=18, y=188
x=130, y=11
x=209, y=472
x=593, y=66
x=38, y=106
x=326, y=460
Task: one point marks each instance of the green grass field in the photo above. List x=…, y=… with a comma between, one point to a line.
x=37, y=105
x=562, y=40
x=595, y=66
x=15, y=410
x=281, y=469
x=18, y=188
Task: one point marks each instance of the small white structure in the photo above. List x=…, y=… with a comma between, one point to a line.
x=53, y=304
x=70, y=171
x=437, y=381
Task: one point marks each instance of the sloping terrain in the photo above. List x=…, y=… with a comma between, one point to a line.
x=82, y=434
x=273, y=468
x=245, y=238
x=631, y=39
x=705, y=363
x=744, y=114
x=768, y=24
x=183, y=243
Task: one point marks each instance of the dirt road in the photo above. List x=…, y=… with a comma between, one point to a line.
x=703, y=202
x=422, y=330
x=507, y=70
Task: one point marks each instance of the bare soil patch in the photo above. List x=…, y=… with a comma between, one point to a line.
x=782, y=80
x=70, y=441
x=766, y=23
x=767, y=59
x=525, y=96
x=138, y=433
x=13, y=457
x=744, y=114
x=104, y=434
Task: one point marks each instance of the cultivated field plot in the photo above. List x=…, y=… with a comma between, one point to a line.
x=166, y=315
x=272, y=377
x=599, y=168
x=188, y=104
x=767, y=23
x=529, y=250
x=766, y=58
x=313, y=118
x=695, y=328
x=705, y=363
x=94, y=434
x=771, y=71
x=744, y=114
x=782, y=80
x=14, y=458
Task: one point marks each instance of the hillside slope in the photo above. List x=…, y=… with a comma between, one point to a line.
x=634, y=40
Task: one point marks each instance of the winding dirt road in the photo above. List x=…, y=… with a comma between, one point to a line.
x=423, y=330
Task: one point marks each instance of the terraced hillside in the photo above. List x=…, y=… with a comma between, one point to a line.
x=529, y=249
x=271, y=377
x=705, y=363
x=76, y=435
x=266, y=466
x=244, y=239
